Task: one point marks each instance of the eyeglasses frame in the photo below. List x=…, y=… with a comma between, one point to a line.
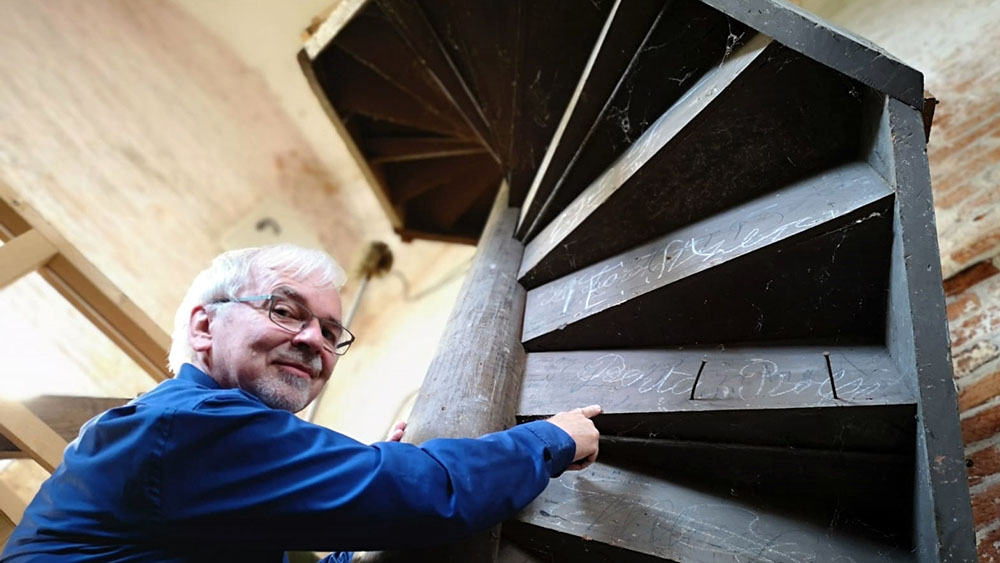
x=272, y=297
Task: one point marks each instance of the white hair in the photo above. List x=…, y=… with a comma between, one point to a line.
x=231, y=271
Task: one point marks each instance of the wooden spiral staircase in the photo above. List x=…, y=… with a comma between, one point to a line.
x=719, y=220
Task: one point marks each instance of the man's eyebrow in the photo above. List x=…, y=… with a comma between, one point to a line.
x=283, y=291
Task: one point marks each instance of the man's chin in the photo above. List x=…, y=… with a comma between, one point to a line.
x=286, y=392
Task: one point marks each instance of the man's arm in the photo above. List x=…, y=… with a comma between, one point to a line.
x=279, y=481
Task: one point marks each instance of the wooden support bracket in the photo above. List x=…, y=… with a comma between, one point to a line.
x=24, y=254
x=30, y=242
x=11, y=505
x=29, y=433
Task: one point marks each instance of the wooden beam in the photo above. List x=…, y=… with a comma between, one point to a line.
x=472, y=385
x=87, y=289
x=321, y=36
x=31, y=435
x=11, y=505
x=24, y=254
x=63, y=414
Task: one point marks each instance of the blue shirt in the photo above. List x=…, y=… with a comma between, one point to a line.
x=192, y=472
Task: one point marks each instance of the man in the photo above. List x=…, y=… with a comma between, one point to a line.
x=213, y=465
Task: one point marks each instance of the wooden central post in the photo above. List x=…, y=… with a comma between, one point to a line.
x=473, y=383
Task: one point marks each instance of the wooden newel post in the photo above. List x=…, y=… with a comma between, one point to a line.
x=473, y=383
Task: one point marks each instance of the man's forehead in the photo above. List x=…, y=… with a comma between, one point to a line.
x=324, y=301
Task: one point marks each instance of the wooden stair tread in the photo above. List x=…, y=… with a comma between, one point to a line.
x=738, y=114
x=558, y=312
x=648, y=56
x=628, y=508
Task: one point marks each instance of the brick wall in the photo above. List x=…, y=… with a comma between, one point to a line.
x=973, y=298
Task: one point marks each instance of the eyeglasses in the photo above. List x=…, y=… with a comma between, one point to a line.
x=294, y=317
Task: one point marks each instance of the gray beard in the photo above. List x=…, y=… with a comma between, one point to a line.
x=285, y=392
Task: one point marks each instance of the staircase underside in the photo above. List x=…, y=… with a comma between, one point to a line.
x=728, y=243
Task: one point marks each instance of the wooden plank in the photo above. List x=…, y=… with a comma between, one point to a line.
x=6, y=529
x=650, y=55
x=11, y=507
x=444, y=206
x=822, y=203
x=400, y=149
x=410, y=22
x=764, y=396
x=627, y=507
x=546, y=82
x=24, y=254
x=472, y=384
x=354, y=87
x=410, y=179
x=380, y=191
x=30, y=434
x=87, y=289
x=737, y=114
x=63, y=414
x=484, y=46
x=371, y=40
x=742, y=378
x=342, y=13
x=837, y=48
x=624, y=30
x=917, y=337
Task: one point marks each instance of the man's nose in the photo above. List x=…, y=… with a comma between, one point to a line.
x=311, y=335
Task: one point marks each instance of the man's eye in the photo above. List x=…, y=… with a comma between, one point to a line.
x=284, y=311
x=331, y=334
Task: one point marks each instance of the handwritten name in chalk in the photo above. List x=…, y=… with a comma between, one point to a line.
x=754, y=378
x=679, y=256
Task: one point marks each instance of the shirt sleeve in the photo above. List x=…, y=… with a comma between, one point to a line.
x=271, y=479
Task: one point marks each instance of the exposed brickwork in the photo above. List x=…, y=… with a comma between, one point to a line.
x=982, y=464
x=974, y=323
x=977, y=393
x=986, y=505
x=969, y=277
x=988, y=547
x=982, y=425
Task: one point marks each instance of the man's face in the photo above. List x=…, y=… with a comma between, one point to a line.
x=283, y=369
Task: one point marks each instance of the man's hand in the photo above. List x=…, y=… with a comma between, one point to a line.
x=578, y=425
x=396, y=434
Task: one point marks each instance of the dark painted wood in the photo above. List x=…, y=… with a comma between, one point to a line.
x=545, y=83
x=634, y=381
x=850, y=54
x=411, y=24
x=483, y=44
x=629, y=507
x=63, y=414
x=409, y=179
x=649, y=58
x=372, y=40
x=625, y=29
x=381, y=150
x=444, y=206
x=545, y=545
x=759, y=271
x=738, y=114
x=472, y=385
x=354, y=87
x=870, y=492
x=917, y=337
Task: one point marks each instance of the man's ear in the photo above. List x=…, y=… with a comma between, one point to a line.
x=200, y=330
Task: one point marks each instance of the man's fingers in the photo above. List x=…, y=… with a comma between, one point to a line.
x=590, y=411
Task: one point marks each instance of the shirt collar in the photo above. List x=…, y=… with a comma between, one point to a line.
x=190, y=373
